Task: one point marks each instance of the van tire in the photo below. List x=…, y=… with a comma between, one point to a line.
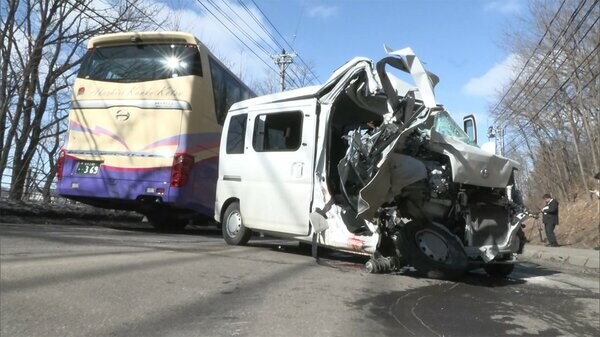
x=234, y=231
x=499, y=270
x=434, y=252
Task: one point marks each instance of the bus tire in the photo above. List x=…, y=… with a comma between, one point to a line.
x=166, y=222
x=234, y=231
x=434, y=252
x=499, y=270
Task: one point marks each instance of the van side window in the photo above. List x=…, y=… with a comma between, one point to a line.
x=277, y=132
x=236, y=134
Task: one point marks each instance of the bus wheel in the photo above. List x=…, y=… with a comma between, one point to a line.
x=166, y=222
x=234, y=231
x=499, y=270
x=434, y=252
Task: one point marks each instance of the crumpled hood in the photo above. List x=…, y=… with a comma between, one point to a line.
x=472, y=165
x=379, y=91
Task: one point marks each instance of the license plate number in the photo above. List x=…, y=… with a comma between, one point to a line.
x=88, y=167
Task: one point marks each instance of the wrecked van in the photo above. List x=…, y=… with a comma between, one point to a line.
x=369, y=164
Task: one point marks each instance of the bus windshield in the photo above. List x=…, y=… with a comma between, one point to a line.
x=140, y=62
x=445, y=125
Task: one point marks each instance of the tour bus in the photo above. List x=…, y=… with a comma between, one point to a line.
x=369, y=164
x=144, y=126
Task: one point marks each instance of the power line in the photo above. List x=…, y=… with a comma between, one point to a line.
x=536, y=71
x=514, y=145
x=274, y=39
x=260, y=24
x=247, y=25
x=530, y=57
x=535, y=116
x=159, y=25
x=235, y=35
x=282, y=68
x=242, y=31
x=299, y=21
x=284, y=40
x=208, y=10
x=570, y=76
x=539, y=75
x=536, y=76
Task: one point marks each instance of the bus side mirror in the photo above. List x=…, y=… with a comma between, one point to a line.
x=470, y=127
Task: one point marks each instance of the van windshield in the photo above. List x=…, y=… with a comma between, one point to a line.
x=445, y=125
x=140, y=62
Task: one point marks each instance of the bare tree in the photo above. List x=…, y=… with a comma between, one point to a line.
x=303, y=74
x=268, y=85
x=551, y=108
x=43, y=41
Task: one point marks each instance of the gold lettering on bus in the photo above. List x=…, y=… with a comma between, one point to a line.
x=138, y=91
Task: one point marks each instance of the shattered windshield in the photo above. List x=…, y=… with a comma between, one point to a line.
x=445, y=125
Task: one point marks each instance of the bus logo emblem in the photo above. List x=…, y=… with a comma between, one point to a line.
x=122, y=115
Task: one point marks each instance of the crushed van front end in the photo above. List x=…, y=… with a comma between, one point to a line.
x=401, y=180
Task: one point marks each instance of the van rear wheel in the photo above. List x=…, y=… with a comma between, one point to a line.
x=234, y=231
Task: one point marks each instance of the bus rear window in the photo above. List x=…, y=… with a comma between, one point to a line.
x=140, y=62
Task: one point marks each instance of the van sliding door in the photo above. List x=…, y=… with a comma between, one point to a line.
x=278, y=185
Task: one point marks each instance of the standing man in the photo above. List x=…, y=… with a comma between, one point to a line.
x=550, y=219
x=597, y=190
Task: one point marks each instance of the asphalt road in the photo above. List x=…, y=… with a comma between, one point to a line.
x=126, y=280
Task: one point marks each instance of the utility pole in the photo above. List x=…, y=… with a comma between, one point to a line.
x=282, y=61
x=497, y=134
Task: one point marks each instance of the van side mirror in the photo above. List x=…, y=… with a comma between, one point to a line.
x=470, y=127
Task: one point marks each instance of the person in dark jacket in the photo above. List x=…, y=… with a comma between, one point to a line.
x=596, y=192
x=550, y=219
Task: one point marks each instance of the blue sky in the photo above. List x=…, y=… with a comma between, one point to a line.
x=458, y=40
x=461, y=40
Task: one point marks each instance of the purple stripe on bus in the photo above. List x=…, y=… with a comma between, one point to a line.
x=187, y=141
x=127, y=185
x=97, y=130
x=174, y=140
x=193, y=142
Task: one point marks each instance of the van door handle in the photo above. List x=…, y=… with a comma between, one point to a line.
x=297, y=169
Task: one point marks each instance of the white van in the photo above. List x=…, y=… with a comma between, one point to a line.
x=369, y=164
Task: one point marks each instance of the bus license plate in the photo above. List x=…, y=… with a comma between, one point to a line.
x=88, y=167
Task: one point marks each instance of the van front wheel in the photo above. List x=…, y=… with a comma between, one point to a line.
x=499, y=270
x=434, y=252
x=234, y=231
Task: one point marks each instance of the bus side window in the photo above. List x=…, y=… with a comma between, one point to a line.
x=236, y=134
x=227, y=90
x=277, y=132
x=219, y=90
x=196, y=66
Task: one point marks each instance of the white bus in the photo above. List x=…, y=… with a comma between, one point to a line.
x=369, y=164
x=145, y=124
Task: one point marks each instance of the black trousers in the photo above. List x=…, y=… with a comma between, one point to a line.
x=550, y=233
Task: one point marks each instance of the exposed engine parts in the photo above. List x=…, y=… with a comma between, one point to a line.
x=457, y=214
x=382, y=265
